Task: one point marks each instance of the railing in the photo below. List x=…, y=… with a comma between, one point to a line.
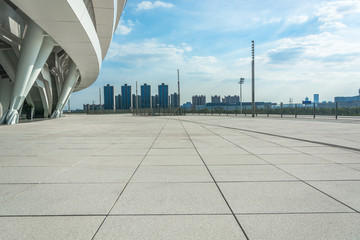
x=333, y=110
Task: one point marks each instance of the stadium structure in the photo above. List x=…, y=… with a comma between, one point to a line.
x=49, y=49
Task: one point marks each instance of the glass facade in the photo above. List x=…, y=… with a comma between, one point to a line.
x=125, y=97
x=145, y=96
x=109, y=97
x=163, y=96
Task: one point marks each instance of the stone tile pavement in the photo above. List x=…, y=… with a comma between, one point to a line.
x=193, y=177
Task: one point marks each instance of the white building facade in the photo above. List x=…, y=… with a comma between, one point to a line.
x=49, y=49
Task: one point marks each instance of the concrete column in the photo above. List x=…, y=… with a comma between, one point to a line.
x=8, y=65
x=69, y=83
x=30, y=49
x=46, y=48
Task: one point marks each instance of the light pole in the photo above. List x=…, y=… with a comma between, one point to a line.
x=241, y=83
x=253, y=78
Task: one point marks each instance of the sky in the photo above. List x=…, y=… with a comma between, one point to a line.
x=301, y=48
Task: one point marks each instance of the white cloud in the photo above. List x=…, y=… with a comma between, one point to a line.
x=298, y=19
x=147, y=5
x=333, y=25
x=150, y=51
x=336, y=10
x=272, y=20
x=124, y=28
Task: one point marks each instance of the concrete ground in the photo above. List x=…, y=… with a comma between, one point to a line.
x=194, y=177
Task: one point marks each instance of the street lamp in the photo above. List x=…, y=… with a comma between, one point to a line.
x=241, y=83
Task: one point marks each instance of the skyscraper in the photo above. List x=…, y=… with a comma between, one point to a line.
x=231, y=99
x=145, y=96
x=215, y=99
x=163, y=95
x=109, y=97
x=316, y=98
x=118, y=101
x=174, y=100
x=126, y=97
x=198, y=100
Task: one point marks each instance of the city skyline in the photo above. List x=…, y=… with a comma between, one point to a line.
x=301, y=48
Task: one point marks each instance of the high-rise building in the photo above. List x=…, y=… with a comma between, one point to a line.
x=316, y=98
x=126, y=97
x=198, y=100
x=174, y=100
x=215, y=99
x=136, y=103
x=155, y=101
x=163, y=96
x=109, y=97
x=118, y=101
x=145, y=96
x=231, y=99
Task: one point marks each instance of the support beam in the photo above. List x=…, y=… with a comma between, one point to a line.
x=69, y=83
x=30, y=49
x=8, y=65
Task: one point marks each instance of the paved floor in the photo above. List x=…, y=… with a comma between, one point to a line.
x=125, y=177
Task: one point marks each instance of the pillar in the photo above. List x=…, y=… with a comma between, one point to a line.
x=29, y=52
x=68, y=86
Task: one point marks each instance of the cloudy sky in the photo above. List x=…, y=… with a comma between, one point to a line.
x=302, y=48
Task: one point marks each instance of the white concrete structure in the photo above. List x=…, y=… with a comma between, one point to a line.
x=50, y=48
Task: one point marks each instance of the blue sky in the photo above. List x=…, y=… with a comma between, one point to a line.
x=302, y=48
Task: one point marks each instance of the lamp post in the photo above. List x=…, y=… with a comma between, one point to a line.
x=241, y=83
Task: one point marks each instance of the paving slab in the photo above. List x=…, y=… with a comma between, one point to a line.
x=171, y=198
x=172, y=174
x=301, y=226
x=44, y=228
x=63, y=199
x=321, y=172
x=278, y=197
x=249, y=173
x=207, y=227
x=347, y=192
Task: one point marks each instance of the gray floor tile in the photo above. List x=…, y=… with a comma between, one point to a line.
x=301, y=226
x=171, y=198
x=347, y=192
x=172, y=160
x=44, y=228
x=292, y=159
x=232, y=159
x=322, y=172
x=27, y=174
x=68, y=199
x=278, y=197
x=94, y=174
x=249, y=173
x=170, y=227
x=172, y=174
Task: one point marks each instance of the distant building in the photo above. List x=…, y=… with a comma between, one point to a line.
x=186, y=106
x=163, y=95
x=174, y=103
x=231, y=99
x=126, y=97
x=348, y=99
x=118, y=101
x=198, y=100
x=90, y=107
x=136, y=103
x=215, y=99
x=145, y=96
x=316, y=98
x=155, y=101
x=109, y=97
